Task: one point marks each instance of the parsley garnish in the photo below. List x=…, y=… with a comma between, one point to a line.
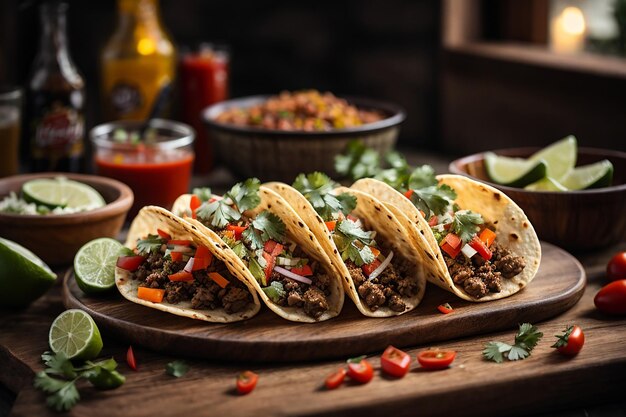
x=243, y=196
x=265, y=226
x=347, y=234
x=465, y=224
x=177, y=368
x=525, y=341
x=150, y=244
x=63, y=394
x=317, y=188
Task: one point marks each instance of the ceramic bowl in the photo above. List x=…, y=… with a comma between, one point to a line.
x=575, y=220
x=57, y=238
x=282, y=155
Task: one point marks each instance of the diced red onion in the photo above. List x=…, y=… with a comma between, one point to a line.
x=189, y=266
x=384, y=264
x=293, y=276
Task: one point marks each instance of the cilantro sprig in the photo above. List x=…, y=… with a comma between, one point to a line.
x=241, y=197
x=263, y=227
x=150, y=244
x=525, y=341
x=317, y=188
x=465, y=224
x=59, y=379
x=353, y=242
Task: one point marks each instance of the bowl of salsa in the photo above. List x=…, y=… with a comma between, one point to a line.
x=156, y=166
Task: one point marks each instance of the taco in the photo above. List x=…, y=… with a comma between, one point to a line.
x=285, y=262
x=367, y=244
x=475, y=241
x=173, y=268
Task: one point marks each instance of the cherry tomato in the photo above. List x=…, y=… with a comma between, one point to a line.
x=571, y=341
x=611, y=299
x=130, y=359
x=335, y=379
x=360, y=370
x=130, y=263
x=246, y=381
x=616, y=268
x=395, y=362
x=445, y=308
x=436, y=359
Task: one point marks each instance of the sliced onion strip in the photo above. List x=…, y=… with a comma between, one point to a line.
x=293, y=276
x=383, y=265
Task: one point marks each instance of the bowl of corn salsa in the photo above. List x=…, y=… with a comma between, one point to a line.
x=277, y=137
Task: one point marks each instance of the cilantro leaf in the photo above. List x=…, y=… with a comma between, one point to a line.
x=218, y=213
x=517, y=353
x=396, y=160
x=204, y=193
x=494, y=351
x=48, y=384
x=65, y=398
x=358, y=162
x=275, y=291
x=265, y=226
x=361, y=256
x=317, y=189
x=58, y=364
x=150, y=244
x=422, y=177
x=353, y=231
x=239, y=249
x=528, y=336
x=347, y=234
x=525, y=341
x=465, y=224
x=433, y=199
x=177, y=368
x=245, y=195
x=241, y=197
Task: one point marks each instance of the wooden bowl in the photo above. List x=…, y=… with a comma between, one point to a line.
x=57, y=238
x=282, y=155
x=576, y=220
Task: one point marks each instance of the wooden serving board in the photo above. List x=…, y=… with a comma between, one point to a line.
x=559, y=284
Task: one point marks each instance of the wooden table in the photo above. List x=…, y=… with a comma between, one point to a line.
x=543, y=383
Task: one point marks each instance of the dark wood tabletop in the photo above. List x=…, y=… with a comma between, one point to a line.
x=546, y=383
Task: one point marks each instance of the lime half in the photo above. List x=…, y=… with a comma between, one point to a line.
x=595, y=175
x=23, y=276
x=75, y=334
x=94, y=264
x=546, y=184
x=560, y=157
x=514, y=172
x=61, y=192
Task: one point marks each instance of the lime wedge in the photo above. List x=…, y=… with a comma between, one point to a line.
x=61, y=192
x=23, y=276
x=560, y=157
x=514, y=172
x=94, y=265
x=75, y=334
x=595, y=175
x=546, y=184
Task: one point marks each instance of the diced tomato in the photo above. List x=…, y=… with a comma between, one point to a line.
x=237, y=229
x=331, y=225
x=436, y=359
x=219, y=279
x=130, y=359
x=278, y=248
x=271, y=261
x=199, y=264
x=150, y=294
x=246, y=381
x=453, y=240
x=375, y=251
x=445, y=308
x=371, y=267
x=304, y=270
x=202, y=252
x=408, y=194
x=335, y=379
x=360, y=370
x=395, y=362
x=269, y=246
x=181, y=276
x=130, y=263
x=163, y=234
x=433, y=221
x=180, y=242
x=194, y=203
x=176, y=256
x=448, y=249
x=487, y=236
x=480, y=247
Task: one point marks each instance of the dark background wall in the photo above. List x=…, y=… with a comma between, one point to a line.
x=385, y=49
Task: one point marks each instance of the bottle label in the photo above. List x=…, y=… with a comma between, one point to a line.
x=125, y=98
x=61, y=129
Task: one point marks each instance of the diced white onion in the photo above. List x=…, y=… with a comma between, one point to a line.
x=189, y=266
x=262, y=261
x=283, y=261
x=468, y=251
x=182, y=249
x=291, y=275
x=383, y=265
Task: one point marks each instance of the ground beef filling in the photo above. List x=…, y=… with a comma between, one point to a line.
x=313, y=299
x=386, y=290
x=479, y=277
x=202, y=292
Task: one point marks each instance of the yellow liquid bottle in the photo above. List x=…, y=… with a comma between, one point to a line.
x=137, y=62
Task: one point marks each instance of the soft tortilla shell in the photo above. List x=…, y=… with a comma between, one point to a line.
x=147, y=221
x=513, y=229
x=376, y=217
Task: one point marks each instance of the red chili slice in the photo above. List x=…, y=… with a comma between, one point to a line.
x=130, y=359
x=445, y=308
x=163, y=234
x=335, y=379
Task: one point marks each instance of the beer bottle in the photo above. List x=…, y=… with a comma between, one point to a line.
x=137, y=62
x=55, y=100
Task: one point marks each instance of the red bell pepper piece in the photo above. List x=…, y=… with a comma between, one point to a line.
x=487, y=236
x=238, y=230
x=180, y=242
x=181, y=276
x=304, y=270
x=176, y=256
x=481, y=248
x=164, y=235
x=194, y=203
x=219, y=279
x=331, y=225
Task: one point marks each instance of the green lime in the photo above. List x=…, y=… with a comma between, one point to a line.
x=75, y=334
x=61, y=192
x=106, y=379
x=514, y=172
x=560, y=157
x=597, y=175
x=94, y=265
x=545, y=184
x=23, y=276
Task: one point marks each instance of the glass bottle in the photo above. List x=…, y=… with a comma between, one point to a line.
x=137, y=62
x=55, y=100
